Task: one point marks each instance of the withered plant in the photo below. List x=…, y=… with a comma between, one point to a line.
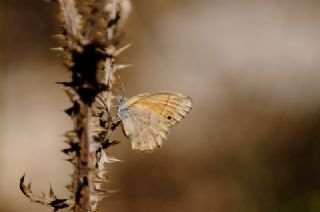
x=91, y=32
x=89, y=45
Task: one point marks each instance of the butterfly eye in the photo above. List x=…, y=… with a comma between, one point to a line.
x=121, y=99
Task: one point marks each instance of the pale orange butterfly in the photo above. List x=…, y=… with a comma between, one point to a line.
x=147, y=118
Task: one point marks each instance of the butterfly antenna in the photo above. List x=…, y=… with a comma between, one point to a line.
x=122, y=87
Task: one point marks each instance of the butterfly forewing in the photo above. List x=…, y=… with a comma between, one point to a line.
x=172, y=107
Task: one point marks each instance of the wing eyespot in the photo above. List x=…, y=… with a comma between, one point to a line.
x=169, y=117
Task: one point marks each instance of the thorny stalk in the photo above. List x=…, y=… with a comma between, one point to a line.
x=91, y=32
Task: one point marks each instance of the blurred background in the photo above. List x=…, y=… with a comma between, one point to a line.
x=251, y=142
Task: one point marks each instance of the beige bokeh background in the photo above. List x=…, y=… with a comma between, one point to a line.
x=251, y=142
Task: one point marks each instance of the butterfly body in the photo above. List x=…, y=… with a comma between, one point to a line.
x=123, y=108
x=147, y=118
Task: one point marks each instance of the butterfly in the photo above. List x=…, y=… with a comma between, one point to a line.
x=147, y=118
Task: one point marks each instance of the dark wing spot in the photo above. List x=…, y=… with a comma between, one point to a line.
x=169, y=117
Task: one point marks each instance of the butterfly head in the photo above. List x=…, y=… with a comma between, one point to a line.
x=123, y=107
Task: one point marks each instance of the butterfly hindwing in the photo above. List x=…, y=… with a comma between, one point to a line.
x=145, y=129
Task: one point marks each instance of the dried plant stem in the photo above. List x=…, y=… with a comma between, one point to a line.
x=91, y=31
x=83, y=164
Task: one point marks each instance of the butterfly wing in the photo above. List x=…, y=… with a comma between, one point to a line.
x=150, y=116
